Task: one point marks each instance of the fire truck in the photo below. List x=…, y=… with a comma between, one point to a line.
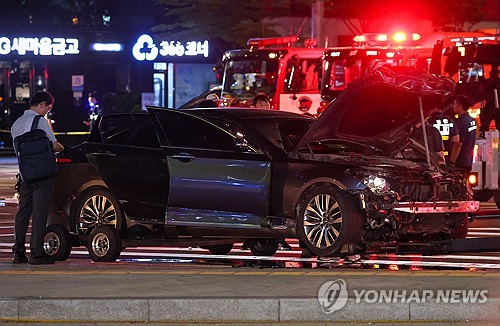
x=474, y=65
x=287, y=73
x=374, y=50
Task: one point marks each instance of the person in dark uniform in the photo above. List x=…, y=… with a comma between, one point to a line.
x=447, y=128
x=434, y=139
x=463, y=151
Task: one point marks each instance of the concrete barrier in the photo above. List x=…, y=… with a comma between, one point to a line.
x=235, y=310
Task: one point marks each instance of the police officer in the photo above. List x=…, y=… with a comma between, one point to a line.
x=434, y=139
x=463, y=151
x=447, y=128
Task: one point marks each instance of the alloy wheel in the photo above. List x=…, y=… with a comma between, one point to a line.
x=97, y=210
x=322, y=221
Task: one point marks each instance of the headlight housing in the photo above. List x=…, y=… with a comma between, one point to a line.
x=376, y=184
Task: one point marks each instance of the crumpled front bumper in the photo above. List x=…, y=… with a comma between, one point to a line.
x=467, y=206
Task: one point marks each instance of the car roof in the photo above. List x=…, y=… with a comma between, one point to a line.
x=246, y=113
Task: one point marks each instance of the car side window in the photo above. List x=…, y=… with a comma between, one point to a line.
x=144, y=136
x=128, y=130
x=182, y=130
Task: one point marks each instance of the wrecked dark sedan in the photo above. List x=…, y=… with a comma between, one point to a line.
x=211, y=177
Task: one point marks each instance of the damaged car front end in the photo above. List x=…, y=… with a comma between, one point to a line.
x=405, y=194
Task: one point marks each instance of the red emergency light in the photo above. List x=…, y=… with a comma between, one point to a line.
x=272, y=41
x=384, y=39
x=399, y=37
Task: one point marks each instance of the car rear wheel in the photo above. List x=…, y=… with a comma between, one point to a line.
x=327, y=218
x=57, y=242
x=97, y=207
x=104, y=244
x=222, y=249
x=263, y=247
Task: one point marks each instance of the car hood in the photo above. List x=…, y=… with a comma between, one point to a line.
x=380, y=108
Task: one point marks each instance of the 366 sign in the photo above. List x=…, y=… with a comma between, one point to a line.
x=146, y=49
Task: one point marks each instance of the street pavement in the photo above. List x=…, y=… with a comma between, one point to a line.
x=82, y=291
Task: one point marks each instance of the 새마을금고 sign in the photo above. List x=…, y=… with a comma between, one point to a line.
x=38, y=46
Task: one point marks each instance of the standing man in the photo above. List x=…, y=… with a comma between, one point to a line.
x=35, y=196
x=463, y=150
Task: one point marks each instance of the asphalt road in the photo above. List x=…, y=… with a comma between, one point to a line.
x=188, y=285
x=480, y=227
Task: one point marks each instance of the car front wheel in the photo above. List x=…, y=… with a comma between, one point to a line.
x=327, y=218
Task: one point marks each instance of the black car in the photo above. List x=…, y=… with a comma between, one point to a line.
x=211, y=177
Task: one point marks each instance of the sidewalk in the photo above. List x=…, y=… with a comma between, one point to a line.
x=76, y=291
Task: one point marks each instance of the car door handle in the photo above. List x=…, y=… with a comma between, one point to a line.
x=104, y=153
x=183, y=157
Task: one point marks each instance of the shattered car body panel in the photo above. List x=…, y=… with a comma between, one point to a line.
x=405, y=199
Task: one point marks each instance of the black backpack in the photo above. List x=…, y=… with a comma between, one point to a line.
x=35, y=154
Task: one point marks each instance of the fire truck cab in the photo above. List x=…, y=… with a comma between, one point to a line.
x=373, y=50
x=474, y=65
x=288, y=74
x=369, y=52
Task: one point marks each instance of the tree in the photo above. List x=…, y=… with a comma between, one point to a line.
x=53, y=13
x=446, y=15
x=230, y=20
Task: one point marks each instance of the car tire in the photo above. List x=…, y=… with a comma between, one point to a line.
x=104, y=244
x=460, y=232
x=222, y=249
x=57, y=242
x=95, y=207
x=263, y=247
x=327, y=219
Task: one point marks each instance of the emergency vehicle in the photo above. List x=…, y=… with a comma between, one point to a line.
x=474, y=66
x=278, y=67
x=373, y=50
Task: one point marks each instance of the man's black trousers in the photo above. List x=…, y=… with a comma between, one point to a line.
x=34, y=201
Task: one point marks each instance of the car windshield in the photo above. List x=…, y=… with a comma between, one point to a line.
x=282, y=133
x=245, y=77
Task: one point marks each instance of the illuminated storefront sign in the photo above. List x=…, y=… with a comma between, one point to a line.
x=39, y=46
x=107, y=47
x=146, y=49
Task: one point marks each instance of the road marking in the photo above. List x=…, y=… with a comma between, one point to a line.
x=484, y=233
x=243, y=273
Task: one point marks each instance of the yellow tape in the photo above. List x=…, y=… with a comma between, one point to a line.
x=68, y=133
x=72, y=133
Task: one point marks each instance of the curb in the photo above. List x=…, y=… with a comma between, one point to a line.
x=236, y=310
